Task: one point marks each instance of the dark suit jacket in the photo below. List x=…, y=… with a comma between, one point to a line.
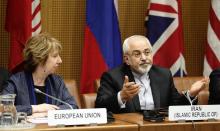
x=162, y=86
x=214, y=87
x=4, y=75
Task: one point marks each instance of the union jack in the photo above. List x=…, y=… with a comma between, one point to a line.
x=164, y=30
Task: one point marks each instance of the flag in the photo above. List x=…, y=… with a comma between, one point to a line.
x=164, y=30
x=22, y=21
x=102, y=46
x=212, y=50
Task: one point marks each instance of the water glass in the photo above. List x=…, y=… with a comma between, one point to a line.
x=21, y=117
x=7, y=118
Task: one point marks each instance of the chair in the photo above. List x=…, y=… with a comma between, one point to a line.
x=73, y=90
x=89, y=100
x=97, y=84
x=203, y=97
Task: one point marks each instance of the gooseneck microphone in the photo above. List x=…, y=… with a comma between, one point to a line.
x=52, y=97
x=186, y=94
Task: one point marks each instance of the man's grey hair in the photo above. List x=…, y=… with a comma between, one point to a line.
x=133, y=38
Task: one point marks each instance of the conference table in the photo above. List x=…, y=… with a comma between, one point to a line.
x=137, y=118
x=117, y=125
x=135, y=122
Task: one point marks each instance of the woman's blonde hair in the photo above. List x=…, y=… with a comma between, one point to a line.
x=37, y=50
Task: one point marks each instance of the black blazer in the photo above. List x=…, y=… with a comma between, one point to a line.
x=4, y=76
x=161, y=82
x=17, y=84
x=214, y=87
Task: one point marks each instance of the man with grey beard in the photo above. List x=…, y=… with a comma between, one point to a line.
x=137, y=84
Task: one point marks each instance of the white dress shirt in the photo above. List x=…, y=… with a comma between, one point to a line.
x=145, y=93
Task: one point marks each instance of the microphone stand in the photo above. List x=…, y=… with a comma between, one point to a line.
x=186, y=94
x=52, y=97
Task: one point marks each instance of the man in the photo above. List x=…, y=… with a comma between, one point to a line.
x=214, y=87
x=137, y=84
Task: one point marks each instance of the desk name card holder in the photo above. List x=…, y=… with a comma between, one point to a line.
x=77, y=117
x=194, y=112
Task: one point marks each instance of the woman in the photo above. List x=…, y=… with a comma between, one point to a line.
x=41, y=59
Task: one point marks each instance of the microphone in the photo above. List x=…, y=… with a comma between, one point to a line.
x=186, y=94
x=52, y=97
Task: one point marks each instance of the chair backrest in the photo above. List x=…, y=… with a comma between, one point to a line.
x=203, y=97
x=97, y=84
x=73, y=90
x=184, y=83
x=89, y=100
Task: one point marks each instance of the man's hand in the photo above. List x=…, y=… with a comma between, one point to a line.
x=43, y=108
x=198, y=86
x=129, y=90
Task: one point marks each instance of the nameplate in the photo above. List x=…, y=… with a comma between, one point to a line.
x=195, y=112
x=77, y=117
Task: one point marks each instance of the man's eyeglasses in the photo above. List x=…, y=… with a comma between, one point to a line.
x=138, y=54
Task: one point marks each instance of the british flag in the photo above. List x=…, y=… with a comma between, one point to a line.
x=212, y=52
x=164, y=30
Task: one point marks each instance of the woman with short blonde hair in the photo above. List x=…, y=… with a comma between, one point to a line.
x=38, y=48
x=41, y=60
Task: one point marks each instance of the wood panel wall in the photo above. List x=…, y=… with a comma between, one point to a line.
x=65, y=20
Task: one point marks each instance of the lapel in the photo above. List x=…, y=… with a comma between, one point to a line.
x=50, y=83
x=155, y=88
x=135, y=101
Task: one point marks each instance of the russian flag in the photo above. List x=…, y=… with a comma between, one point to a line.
x=102, y=46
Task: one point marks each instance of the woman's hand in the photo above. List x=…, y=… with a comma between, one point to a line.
x=42, y=108
x=38, y=115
